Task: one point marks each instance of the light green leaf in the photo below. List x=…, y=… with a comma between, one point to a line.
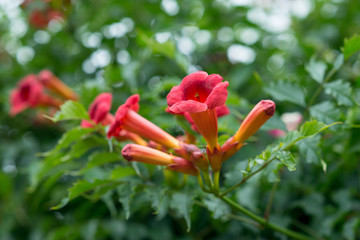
x=341, y=91
x=351, y=46
x=71, y=110
x=286, y=91
x=316, y=69
x=325, y=112
x=311, y=128
x=182, y=203
x=286, y=158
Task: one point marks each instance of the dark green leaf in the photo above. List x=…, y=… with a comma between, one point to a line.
x=218, y=208
x=309, y=148
x=182, y=203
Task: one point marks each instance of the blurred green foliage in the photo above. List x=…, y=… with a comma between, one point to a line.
x=293, y=52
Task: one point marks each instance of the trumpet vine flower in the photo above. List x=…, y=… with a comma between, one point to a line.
x=198, y=95
x=49, y=80
x=99, y=111
x=127, y=118
x=138, y=153
x=29, y=93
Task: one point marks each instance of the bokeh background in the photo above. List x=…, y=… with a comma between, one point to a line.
x=266, y=49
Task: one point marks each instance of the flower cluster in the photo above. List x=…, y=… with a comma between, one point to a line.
x=41, y=12
x=200, y=98
x=44, y=90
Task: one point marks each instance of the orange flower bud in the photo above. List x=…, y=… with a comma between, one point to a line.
x=138, y=153
x=254, y=120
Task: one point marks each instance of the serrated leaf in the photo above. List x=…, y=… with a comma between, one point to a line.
x=286, y=91
x=159, y=200
x=126, y=192
x=341, y=91
x=286, y=158
x=351, y=46
x=311, y=128
x=316, y=69
x=309, y=148
x=182, y=203
x=217, y=207
x=325, y=112
x=71, y=110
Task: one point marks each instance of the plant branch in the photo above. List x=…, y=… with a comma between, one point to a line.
x=247, y=177
x=262, y=221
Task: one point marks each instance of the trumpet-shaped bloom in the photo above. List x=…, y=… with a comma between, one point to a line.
x=29, y=93
x=127, y=118
x=49, y=80
x=99, y=111
x=134, y=152
x=262, y=112
x=199, y=94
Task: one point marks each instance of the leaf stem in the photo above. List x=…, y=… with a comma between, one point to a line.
x=263, y=221
x=247, y=177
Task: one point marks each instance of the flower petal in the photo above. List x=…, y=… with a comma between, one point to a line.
x=190, y=106
x=175, y=95
x=218, y=95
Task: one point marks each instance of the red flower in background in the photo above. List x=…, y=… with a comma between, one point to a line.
x=50, y=81
x=99, y=111
x=41, y=18
x=30, y=93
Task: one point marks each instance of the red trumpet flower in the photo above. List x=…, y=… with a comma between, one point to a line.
x=30, y=94
x=127, y=118
x=199, y=94
x=49, y=80
x=99, y=111
x=134, y=152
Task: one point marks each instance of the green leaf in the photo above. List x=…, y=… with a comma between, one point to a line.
x=122, y=172
x=81, y=187
x=325, y=112
x=182, y=203
x=126, y=192
x=286, y=158
x=218, y=208
x=309, y=148
x=316, y=69
x=311, y=128
x=339, y=61
x=101, y=158
x=341, y=91
x=71, y=110
x=68, y=138
x=286, y=91
x=351, y=46
x=159, y=200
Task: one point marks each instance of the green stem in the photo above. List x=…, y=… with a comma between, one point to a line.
x=208, y=180
x=263, y=221
x=247, y=177
x=216, y=181
x=268, y=207
x=319, y=89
